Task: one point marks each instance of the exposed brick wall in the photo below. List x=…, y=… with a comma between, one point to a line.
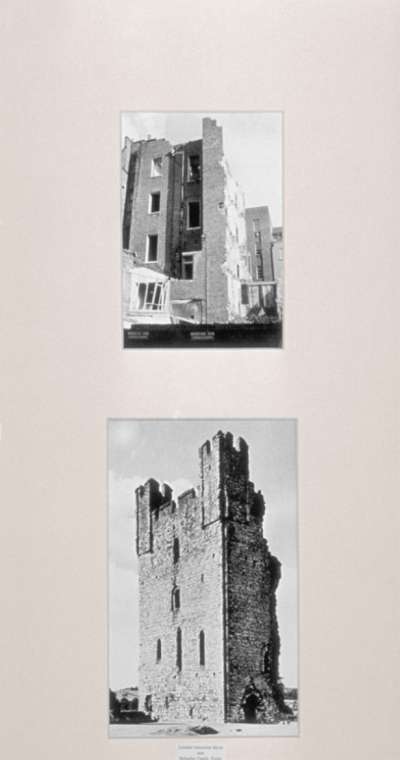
x=144, y=223
x=214, y=221
x=261, y=213
x=226, y=578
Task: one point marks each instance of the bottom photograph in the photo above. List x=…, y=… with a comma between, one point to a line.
x=202, y=609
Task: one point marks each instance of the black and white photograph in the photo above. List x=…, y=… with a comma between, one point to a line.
x=202, y=235
x=203, y=630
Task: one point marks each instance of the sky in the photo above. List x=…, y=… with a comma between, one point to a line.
x=167, y=450
x=252, y=146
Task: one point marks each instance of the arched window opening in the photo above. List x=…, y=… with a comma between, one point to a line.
x=202, y=651
x=176, y=549
x=179, y=649
x=266, y=661
x=158, y=650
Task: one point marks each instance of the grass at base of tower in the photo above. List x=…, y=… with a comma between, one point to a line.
x=159, y=729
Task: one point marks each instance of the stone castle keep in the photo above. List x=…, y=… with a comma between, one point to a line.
x=209, y=642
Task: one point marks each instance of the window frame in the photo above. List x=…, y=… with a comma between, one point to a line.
x=156, y=193
x=189, y=203
x=190, y=176
x=148, y=259
x=187, y=260
x=154, y=171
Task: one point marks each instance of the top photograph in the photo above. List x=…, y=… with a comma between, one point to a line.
x=202, y=236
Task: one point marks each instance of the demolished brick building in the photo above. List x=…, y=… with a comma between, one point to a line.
x=187, y=252
x=209, y=642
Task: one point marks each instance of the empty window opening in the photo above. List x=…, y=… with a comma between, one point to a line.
x=259, y=266
x=179, y=649
x=202, y=650
x=193, y=214
x=158, y=650
x=187, y=267
x=156, y=166
x=194, y=168
x=154, y=203
x=245, y=295
x=176, y=549
x=152, y=245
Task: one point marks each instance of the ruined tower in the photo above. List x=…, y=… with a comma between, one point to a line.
x=209, y=642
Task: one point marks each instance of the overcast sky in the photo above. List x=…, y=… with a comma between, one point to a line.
x=168, y=451
x=252, y=145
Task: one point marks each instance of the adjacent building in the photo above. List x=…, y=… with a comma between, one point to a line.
x=189, y=250
x=209, y=642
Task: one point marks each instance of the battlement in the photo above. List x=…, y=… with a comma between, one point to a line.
x=225, y=492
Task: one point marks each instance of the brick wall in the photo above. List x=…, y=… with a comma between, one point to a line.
x=144, y=223
x=262, y=214
x=214, y=221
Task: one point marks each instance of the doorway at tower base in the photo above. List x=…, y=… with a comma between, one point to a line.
x=261, y=703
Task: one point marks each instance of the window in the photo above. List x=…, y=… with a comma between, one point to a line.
x=259, y=266
x=194, y=169
x=245, y=295
x=176, y=599
x=156, y=166
x=150, y=296
x=187, y=266
x=154, y=203
x=193, y=215
x=152, y=245
x=176, y=550
x=202, y=652
x=179, y=649
x=256, y=225
x=158, y=650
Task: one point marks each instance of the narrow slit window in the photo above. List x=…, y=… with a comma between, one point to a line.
x=176, y=599
x=179, y=649
x=202, y=650
x=152, y=246
x=193, y=215
x=154, y=203
x=158, y=650
x=176, y=550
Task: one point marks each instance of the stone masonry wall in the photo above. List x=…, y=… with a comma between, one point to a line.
x=195, y=690
x=226, y=579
